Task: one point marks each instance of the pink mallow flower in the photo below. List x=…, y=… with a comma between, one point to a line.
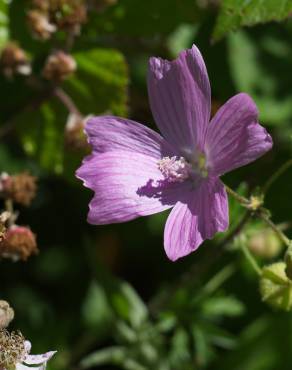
x=135, y=172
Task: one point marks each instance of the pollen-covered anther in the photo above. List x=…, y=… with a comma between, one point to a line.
x=174, y=169
x=12, y=349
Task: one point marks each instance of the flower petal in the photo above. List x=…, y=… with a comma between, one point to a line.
x=126, y=185
x=234, y=137
x=191, y=222
x=108, y=133
x=38, y=359
x=180, y=98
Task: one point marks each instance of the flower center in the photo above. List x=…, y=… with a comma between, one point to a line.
x=12, y=349
x=178, y=169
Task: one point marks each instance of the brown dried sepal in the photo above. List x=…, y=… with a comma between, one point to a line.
x=13, y=60
x=75, y=138
x=20, y=188
x=40, y=24
x=6, y=314
x=59, y=66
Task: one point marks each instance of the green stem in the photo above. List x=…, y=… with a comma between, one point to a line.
x=250, y=258
x=276, y=175
x=235, y=195
x=276, y=229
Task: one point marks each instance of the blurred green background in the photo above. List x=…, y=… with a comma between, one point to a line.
x=110, y=290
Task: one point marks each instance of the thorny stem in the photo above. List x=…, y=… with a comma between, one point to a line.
x=276, y=175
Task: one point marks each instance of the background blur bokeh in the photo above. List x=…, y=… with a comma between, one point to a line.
x=110, y=289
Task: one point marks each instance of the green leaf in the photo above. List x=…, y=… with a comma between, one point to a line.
x=100, y=83
x=129, y=305
x=223, y=306
x=237, y=13
x=4, y=23
x=96, y=310
x=250, y=66
x=110, y=355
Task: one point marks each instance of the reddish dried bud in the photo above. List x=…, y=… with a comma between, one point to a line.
x=6, y=314
x=74, y=133
x=68, y=14
x=40, y=24
x=13, y=60
x=19, y=243
x=59, y=66
x=20, y=188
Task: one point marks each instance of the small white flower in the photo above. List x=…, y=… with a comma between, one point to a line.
x=15, y=353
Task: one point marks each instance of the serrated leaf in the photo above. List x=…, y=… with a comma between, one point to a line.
x=237, y=13
x=100, y=83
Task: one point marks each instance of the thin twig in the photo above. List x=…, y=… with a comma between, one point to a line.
x=67, y=101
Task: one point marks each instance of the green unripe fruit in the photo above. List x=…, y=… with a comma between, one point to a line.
x=275, y=287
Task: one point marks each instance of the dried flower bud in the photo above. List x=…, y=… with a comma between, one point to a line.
x=59, y=66
x=74, y=133
x=264, y=243
x=275, y=287
x=40, y=25
x=6, y=314
x=13, y=60
x=20, y=188
x=68, y=14
x=18, y=244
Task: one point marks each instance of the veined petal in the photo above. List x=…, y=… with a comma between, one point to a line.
x=108, y=133
x=191, y=222
x=38, y=359
x=126, y=185
x=180, y=98
x=234, y=137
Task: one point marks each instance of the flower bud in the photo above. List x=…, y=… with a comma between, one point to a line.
x=20, y=188
x=6, y=314
x=59, y=66
x=19, y=243
x=40, y=25
x=13, y=60
x=264, y=243
x=275, y=287
x=74, y=133
x=68, y=14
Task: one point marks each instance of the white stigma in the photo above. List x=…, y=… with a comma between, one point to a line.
x=174, y=169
